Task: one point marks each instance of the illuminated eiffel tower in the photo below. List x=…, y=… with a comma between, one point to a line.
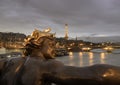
x=66, y=31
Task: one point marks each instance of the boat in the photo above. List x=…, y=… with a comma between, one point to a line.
x=108, y=49
x=86, y=49
x=61, y=52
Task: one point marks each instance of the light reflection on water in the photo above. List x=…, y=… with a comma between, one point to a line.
x=102, y=58
x=71, y=57
x=81, y=58
x=90, y=58
x=84, y=58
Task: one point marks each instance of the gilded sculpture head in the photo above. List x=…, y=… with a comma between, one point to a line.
x=42, y=40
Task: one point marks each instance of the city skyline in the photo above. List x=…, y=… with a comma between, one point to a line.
x=84, y=17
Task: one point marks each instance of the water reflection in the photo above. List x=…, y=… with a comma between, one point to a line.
x=81, y=58
x=102, y=58
x=71, y=57
x=87, y=58
x=80, y=54
x=90, y=58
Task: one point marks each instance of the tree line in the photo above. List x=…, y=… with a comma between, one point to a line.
x=11, y=37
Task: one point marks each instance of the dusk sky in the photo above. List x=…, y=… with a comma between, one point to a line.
x=84, y=17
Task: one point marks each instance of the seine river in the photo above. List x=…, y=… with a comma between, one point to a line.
x=81, y=59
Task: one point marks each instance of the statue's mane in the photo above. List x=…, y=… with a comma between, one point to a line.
x=37, y=35
x=36, y=39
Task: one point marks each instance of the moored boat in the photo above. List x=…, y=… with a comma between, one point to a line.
x=108, y=49
x=61, y=52
x=86, y=49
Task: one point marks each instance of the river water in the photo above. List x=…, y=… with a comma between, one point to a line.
x=82, y=59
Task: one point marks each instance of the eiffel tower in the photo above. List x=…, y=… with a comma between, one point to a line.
x=66, y=31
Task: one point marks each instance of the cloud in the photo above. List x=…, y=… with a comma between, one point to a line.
x=82, y=16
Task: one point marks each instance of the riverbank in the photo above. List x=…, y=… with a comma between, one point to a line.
x=11, y=54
